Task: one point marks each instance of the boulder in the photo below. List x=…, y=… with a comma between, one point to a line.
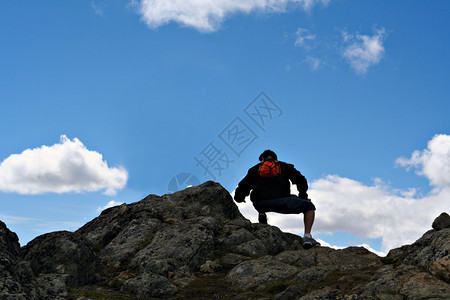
x=63, y=253
x=149, y=285
x=13, y=274
x=441, y=222
x=17, y=279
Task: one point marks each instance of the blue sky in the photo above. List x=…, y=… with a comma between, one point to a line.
x=104, y=102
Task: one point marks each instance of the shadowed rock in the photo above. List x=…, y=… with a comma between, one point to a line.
x=63, y=252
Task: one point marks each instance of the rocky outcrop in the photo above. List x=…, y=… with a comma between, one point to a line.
x=12, y=279
x=196, y=244
x=17, y=279
x=66, y=253
x=417, y=271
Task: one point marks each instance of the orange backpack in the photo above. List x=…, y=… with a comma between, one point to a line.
x=270, y=168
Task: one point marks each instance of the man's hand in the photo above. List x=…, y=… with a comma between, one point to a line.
x=239, y=199
x=303, y=195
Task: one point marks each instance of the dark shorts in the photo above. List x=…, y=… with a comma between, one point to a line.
x=286, y=205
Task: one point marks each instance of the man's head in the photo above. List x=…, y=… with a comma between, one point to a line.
x=267, y=155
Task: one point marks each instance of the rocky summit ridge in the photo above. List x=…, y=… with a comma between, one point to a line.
x=196, y=244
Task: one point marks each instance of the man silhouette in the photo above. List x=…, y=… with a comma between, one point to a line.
x=269, y=184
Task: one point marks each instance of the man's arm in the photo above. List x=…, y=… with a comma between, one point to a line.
x=299, y=180
x=245, y=186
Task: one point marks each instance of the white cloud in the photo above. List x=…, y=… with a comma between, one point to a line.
x=374, y=211
x=364, y=51
x=302, y=36
x=64, y=167
x=377, y=210
x=207, y=15
x=433, y=163
x=110, y=204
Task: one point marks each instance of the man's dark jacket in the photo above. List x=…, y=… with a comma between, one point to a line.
x=271, y=187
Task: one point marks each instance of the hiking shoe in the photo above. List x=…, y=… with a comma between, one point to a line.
x=309, y=242
x=262, y=218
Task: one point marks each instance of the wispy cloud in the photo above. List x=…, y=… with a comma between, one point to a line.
x=64, y=167
x=360, y=51
x=36, y=226
x=302, y=36
x=374, y=211
x=51, y=226
x=311, y=46
x=363, y=51
x=99, y=11
x=207, y=15
x=16, y=219
x=313, y=62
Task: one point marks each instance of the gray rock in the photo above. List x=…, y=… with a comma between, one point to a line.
x=210, y=267
x=149, y=285
x=431, y=252
x=173, y=248
x=232, y=259
x=405, y=282
x=441, y=222
x=388, y=283
x=64, y=253
x=275, y=241
x=312, y=275
x=16, y=278
x=423, y=285
x=130, y=240
x=258, y=273
x=300, y=259
x=325, y=294
x=52, y=286
x=234, y=237
x=254, y=248
x=417, y=271
x=292, y=292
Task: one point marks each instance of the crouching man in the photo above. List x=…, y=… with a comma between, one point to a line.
x=269, y=184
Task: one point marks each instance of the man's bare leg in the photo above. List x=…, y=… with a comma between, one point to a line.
x=308, y=240
x=308, y=219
